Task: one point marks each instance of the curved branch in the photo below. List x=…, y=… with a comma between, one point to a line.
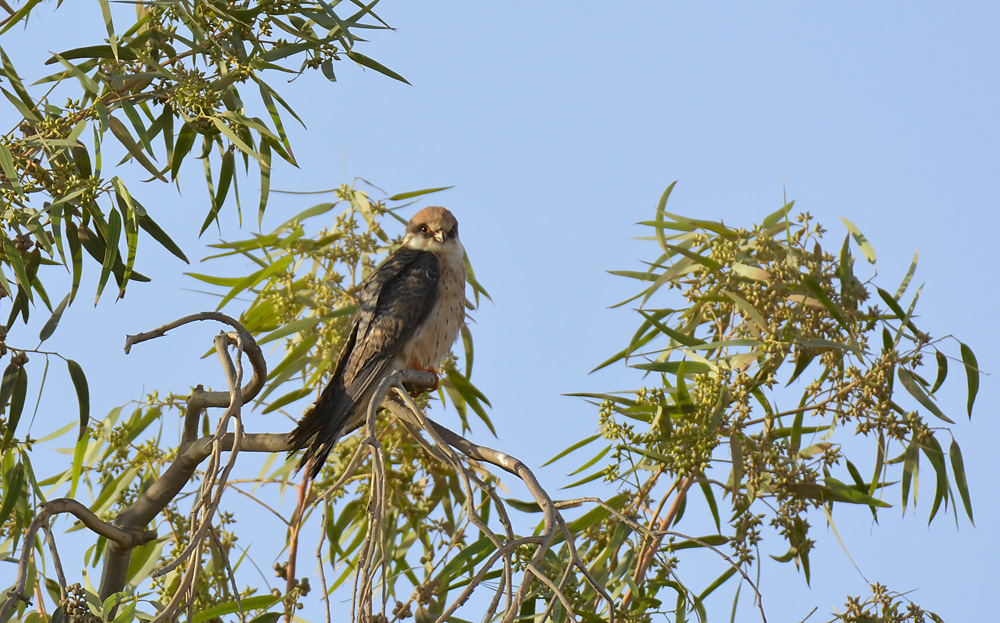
x=203, y=399
x=123, y=537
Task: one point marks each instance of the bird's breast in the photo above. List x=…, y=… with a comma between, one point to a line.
x=433, y=338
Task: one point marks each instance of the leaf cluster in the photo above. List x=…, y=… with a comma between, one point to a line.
x=765, y=356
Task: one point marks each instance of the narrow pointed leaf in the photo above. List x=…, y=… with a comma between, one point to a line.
x=958, y=468
x=863, y=244
x=917, y=391
x=76, y=256
x=972, y=374
x=183, y=144
x=110, y=251
x=363, y=60
x=82, y=394
x=9, y=170
x=418, y=193
x=18, y=393
x=53, y=321
x=134, y=149
x=11, y=491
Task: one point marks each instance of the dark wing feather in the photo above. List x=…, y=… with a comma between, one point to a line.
x=392, y=303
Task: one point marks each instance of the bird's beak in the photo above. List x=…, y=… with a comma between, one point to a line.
x=439, y=236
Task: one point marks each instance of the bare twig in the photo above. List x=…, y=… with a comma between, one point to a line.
x=649, y=550
x=293, y=541
x=56, y=561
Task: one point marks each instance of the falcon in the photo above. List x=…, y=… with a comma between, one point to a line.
x=410, y=311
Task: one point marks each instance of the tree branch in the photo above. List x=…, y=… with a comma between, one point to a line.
x=193, y=451
x=123, y=537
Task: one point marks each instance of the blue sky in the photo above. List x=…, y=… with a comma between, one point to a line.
x=560, y=124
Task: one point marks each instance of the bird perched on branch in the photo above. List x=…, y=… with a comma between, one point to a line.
x=410, y=311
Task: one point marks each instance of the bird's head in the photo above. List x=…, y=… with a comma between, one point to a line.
x=433, y=229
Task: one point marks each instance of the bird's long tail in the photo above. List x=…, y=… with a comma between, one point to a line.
x=321, y=428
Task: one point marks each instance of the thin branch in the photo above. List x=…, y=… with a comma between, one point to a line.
x=56, y=561
x=120, y=536
x=253, y=352
x=650, y=551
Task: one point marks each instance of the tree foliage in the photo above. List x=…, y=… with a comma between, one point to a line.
x=770, y=372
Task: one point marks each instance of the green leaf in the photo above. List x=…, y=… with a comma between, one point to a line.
x=658, y=224
x=79, y=451
x=772, y=220
x=821, y=345
x=706, y=489
x=225, y=177
x=879, y=464
x=16, y=17
x=719, y=581
x=363, y=60
x=125, y=138
x=896, y=309
x=257, y=602
x=418, y=193
x=235, y=139
x=935, y=455
x=252, y=280
x=17, y=263
x=911, y=467
x=863, y=244
x=288, y=398
x=25, y=105
x=53, y=321
x=265, y=177
x=147, y=224
x=972, y=374
x=82, y=394
x=131, y=243
x=736, y=453
x=11, y=491
x=654, y=319
x=292, y=327
x=76, y=256
x=750, y=272
x=466, y=560
x=110, y=251
x=140, y=128
x=751, y=312
x=185, y=140
x=88, y=83
x=909, y=275
x=671, y=367
x=9, y=171
x=917, y=391
x=942, y=364
x=113, y=489
x=470, y=395
x=958, y=467
x=18, y=393
x=112, y=39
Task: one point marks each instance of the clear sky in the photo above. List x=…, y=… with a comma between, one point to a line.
x=560, y=124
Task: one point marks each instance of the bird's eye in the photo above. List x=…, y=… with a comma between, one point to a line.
x=425, y=229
